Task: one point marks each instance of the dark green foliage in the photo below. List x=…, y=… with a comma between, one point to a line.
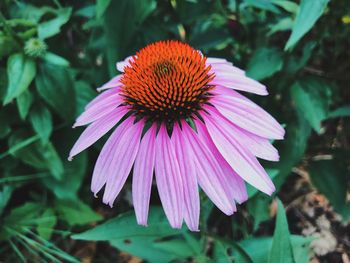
x=54, y=54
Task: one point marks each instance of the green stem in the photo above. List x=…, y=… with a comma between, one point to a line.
x=9, y=31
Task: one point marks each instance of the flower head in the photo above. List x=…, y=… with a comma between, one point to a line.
x=177, y=115
x=35, y=47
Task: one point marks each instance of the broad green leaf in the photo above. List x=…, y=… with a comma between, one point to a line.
x=41, y=156
x=119, y=37
x=292, y=148
x=124, y=226
x=295, y=62
x=284, y=24
x=343, y=111
x=21, y=71
x=331, y=178
x=281, y=249
x=5, y=195
x=258, y=249
x=143, y=247
x=72, y=178
x=177, y=247
x=264, y=63
x=259, y=208
x=47, y=224
x=41, y=121
x=309, y=13
x=262, y=4
x=24, y=101
x=7, y=45
x=101, y=6
x=221, y=253
x=213, y=37
x=84, y=95
x=312, y=98
x=289, y=6
x=52, y=27
x=55, y=85
x=76, y=212
x=55, y=59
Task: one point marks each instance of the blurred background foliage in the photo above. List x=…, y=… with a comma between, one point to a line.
x=53, y=55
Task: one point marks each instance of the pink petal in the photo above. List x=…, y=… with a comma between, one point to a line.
x=239, y=82
x=260, y=147
x=212, y=61
x=126, y=145
x=96, y=130
x=143, y=173
x=115, y=167
x=239, y=158
x=209, y=173
x=113, y=83
x=99, y=109
x=101, y=97
x=189, y=179
x=232, y=77
x=122, y=64
x=104, y=160
x=246, y=114
x=237, y=189
x=169, y=182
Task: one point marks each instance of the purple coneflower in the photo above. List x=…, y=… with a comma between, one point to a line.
x=178, y=115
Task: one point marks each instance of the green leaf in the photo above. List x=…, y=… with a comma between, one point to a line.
x=55, y=59
x=5, y=195
x=289, y=6
x=20, y=218
x=331, y=178
x=118, y=36
x=7, y=45
x=262, y=4
x=343, y=111
x=84, y=95
x=295, y=63
x=281, y=249
x=52, y=27
x=312, y=98
x=177, y=247
x=124, y=226
x=292, y=149
x=258, y=249
x=101, y=6
x=21, y=71
x=41, y=120
x=284, y=24
x=144, y=242
x=72, y=178
x=24, y=101
x=41, y=156
x=55, y=85
x=259, y=208
x=144, y=247
x=309, y=13
x=76, y=212
x=46, y=225
x=264, y=63
x=221, y=253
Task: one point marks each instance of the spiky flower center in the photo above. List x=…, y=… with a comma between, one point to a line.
x=167, y=80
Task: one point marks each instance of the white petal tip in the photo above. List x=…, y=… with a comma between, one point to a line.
x=70, y=158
